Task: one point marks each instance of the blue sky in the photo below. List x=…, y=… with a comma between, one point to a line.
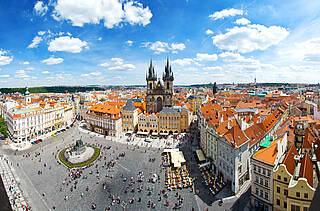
x=110, y=42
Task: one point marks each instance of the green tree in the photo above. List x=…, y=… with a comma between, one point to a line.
x=3, y=127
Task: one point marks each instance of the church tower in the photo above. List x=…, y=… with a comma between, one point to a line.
x=168, y=78
x=151, y=78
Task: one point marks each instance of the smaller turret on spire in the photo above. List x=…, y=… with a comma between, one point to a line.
x=151, y=74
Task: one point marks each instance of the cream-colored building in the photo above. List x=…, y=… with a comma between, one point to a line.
x=148, y=124
x=129, y=115
x=26, y=123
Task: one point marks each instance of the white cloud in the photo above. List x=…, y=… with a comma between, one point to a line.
x=213, y=68
x=123, y=67
x=250, y=38
x=104, y=64
x=4, y=76
x=226, y=13
x=110, y=12
x=129, y=42
x=100, y=38
x=45, y=72
x=21, y=74
x=177, y=46
x=4, y=59
x=52, y=61
x=306, y=51
x=208, y=32
x=91, y=74
x=41, y=33
x=26, y=63
x=162, y=47
x=40, y=8
x=134, y=13
x=68, y=44
x=236, y=57
x=117, y=61
x=183, y=62
x=35, y=42
x=206, y=57
x=242, y=21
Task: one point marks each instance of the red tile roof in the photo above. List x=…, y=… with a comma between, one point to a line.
x=289, y=161
x=306, y=169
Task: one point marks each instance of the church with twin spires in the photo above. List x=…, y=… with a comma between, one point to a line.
x=159, y=93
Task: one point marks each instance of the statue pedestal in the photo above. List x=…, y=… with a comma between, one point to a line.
x=79, y=156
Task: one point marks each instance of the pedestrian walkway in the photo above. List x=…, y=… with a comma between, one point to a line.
x=14, y=193
x=137, y=141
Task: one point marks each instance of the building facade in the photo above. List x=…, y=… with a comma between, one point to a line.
x=148, y=124
x=159, y=95
x=129, y=115
x=174, y=120
x=104, y=119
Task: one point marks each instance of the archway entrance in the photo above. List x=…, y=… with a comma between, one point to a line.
x=159, y=104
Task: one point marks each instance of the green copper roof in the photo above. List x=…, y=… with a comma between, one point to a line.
x=266, y=142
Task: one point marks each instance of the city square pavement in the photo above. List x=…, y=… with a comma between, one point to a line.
x=41, y=177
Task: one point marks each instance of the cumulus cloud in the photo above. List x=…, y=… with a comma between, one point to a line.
x=100, y=38
x=183, y=62
x=208, y=32
x=206, y=57
x=162, y=47
x=40, y=8
x=212, y=68
x=236, y=57
x=226, y=13
x=242, y=21
x=52, y=61
x=123, y=67
x=4, y=58
x=26, y=63
x=68, y=44
x=105, y=64
x=41, y=33
x=35, y=42
x=250, y=38
x=45, y=72
x=110, y=12
x=4, y=76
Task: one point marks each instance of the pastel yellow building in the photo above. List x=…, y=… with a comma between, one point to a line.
x=195, y=102
x=173, y=120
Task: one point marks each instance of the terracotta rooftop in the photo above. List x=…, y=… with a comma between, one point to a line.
x=289, y=161
x=254, y=133
x=236, y=137
x=306, y=169
x=267, y=155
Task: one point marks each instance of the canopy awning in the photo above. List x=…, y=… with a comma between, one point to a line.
x=200, y=155
x=163, y=134
x=142, y=133
x=129, y=131
x=177, y=158
x=175, y=133
x=154, y=133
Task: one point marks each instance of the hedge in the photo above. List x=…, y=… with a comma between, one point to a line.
x=82, y=164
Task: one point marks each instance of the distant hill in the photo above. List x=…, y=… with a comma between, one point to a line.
x=52, y=89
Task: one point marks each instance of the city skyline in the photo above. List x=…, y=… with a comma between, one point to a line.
x=70, y=42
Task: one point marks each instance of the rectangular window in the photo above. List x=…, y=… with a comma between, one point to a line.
x=285, y=204
x=254, y=167
x=305, y=209
x=279, y=177
x=285, y=179
x=266, y=183
x=261, y=181
x=266, y=195
x=297, y=194
x=305, y=195
x=261, y=193
x=295, y=207
x=259, y=169
x=278, y=189
x=264, y=171
x=286, y=192
x=278, y=202
x=257, y=191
